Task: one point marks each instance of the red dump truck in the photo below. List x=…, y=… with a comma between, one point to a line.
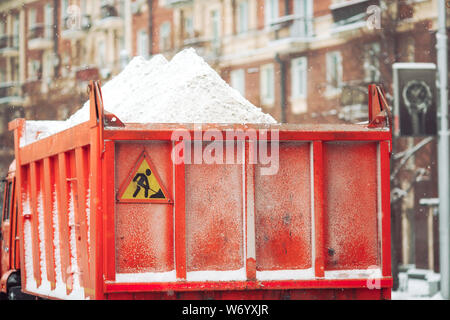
x=104, y=210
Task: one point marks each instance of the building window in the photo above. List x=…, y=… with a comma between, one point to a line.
x=32, y=18
x=270, y=11
x=16, y=30
x=64, y=9
x=238, y=80
x=372, y=63
x=243, y=17
x=267, y=83
x=48, y=65
x=299, y=77
x=102, y=54
x=164, y=40
x=303, y=24
x=334, y=71
x=142, y=43
x=215, y=19
x=15, y=69
x=189, y=27
x=34, y=70
x=2, y=28
x=48, y=21
x=2, y=75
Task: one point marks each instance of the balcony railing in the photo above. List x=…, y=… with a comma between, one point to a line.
x=109, y=10
x=9, y=42
x=111, y=16
x=293, y=26
x=208, y=48
x=351, y=13
x=81, y=23
x=40, y=31
x=10, y=92
x=179, y=2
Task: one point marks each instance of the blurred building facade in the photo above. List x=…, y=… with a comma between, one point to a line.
x=299, y=60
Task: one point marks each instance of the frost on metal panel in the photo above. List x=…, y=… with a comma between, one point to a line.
x=77, y=290
x=88, y=220
x=283, y=215
x=60, y=286
x=144, y=232
x=45, y=284
x=214, y=219
x=351, y=205
x=28, y=246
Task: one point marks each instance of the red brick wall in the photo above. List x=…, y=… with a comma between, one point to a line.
x=139, y=22
x=321, y=7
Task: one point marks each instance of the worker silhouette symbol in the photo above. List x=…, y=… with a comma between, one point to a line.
x=142, y=181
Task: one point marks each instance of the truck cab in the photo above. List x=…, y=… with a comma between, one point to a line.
x=9, y=239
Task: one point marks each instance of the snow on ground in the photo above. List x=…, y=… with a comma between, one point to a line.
x=401, y=295
x=411, y=288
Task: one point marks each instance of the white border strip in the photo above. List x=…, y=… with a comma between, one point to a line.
x=213, y=275
x=170, y=276
x=302, y=274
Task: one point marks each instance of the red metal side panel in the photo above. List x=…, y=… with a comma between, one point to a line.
x=283, y=211
x=63, y=209
x=144, y=231
x=34, y=185
x=214, y=217
x=180, y=219
x=82, y=174
x=350, y=205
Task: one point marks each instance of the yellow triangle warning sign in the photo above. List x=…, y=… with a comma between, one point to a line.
x=143, y=184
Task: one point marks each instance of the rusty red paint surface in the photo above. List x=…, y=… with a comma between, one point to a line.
x=351, y=205
x=283, y=211
x=214, y=217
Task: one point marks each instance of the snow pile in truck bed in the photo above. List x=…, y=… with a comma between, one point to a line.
x=184, y=90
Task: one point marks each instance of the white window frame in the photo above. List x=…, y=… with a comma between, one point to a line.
x=331, y=57
x=271, y=11
x=237, y=80
x=267, y=84
x=299, y=77
x=142, y=43
x=243, y=16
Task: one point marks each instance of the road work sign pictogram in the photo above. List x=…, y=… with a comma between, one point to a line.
x=143, y=184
